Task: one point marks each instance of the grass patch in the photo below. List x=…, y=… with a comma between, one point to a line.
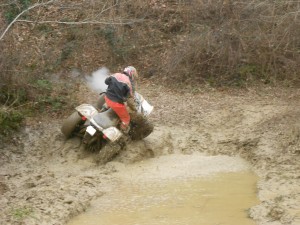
x=43, y=85
x=49, y=103
x=21, y=213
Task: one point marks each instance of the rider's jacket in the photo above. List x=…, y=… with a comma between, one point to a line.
x=119, y=87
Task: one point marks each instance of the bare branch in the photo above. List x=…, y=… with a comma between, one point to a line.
x=20, y=14
x=6, y=4
x=106, y=9
x=16, y=19
x=84, y=22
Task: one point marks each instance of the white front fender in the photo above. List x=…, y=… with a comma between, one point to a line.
x=87, y=110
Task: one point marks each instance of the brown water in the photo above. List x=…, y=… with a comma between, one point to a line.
x=222, y=199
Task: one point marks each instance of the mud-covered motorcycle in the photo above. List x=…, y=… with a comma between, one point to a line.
x=98, y=127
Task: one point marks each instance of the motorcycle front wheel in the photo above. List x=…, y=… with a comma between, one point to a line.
x=93, y=144
x=108, y=152
x=140, y=127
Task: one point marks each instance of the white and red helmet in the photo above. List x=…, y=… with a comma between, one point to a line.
x=131, y=72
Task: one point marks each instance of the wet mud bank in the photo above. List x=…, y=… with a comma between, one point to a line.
x=45, y=179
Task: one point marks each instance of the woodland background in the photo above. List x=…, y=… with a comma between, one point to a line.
x=180, y=44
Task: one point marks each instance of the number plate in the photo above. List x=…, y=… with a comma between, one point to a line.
x=91, y=130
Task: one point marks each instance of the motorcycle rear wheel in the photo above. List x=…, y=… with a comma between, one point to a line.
x=70, y=124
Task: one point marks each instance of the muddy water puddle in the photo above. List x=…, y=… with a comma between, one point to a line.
x=219, y=199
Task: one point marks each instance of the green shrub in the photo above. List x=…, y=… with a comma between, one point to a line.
x=15, y=9
x=12, y=97
x=10, y=120
x=49, y=103
x=43, y=85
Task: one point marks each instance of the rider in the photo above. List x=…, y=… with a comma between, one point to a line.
x=121, y=88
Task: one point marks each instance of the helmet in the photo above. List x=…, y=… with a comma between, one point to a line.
x=131, y=72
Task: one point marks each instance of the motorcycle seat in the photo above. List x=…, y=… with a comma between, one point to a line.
x=107, y=119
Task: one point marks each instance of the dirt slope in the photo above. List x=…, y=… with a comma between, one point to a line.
x=45, y=179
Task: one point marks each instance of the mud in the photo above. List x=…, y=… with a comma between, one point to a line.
x=164, y=192
x=45, y=179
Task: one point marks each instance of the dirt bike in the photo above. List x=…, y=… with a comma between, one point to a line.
x=98, y=127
